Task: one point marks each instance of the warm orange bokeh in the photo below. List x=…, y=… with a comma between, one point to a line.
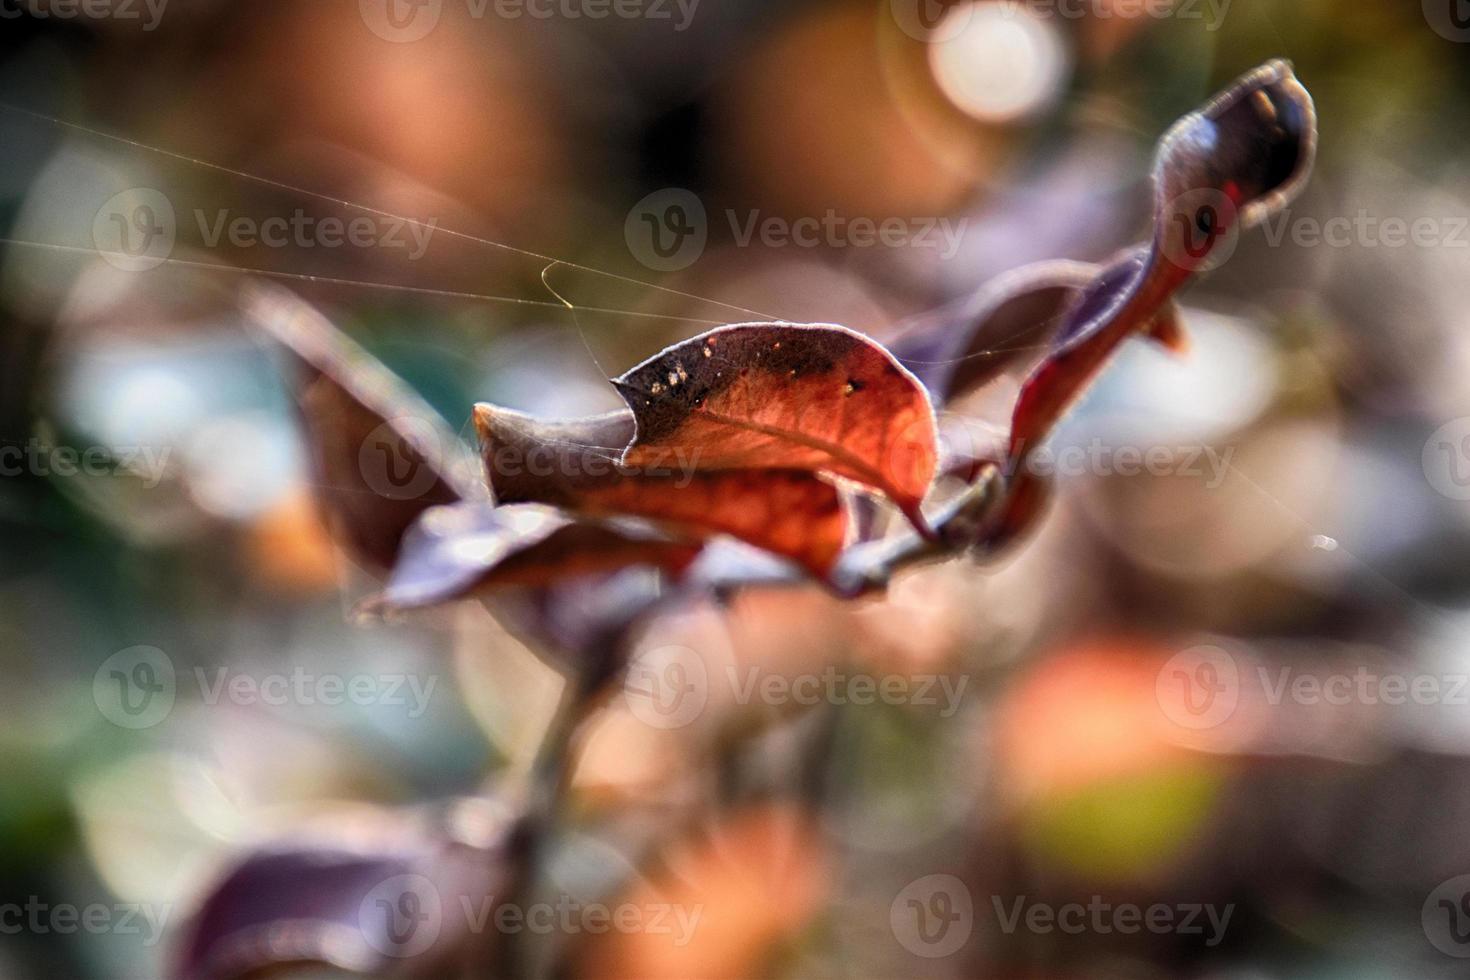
x=754, y=880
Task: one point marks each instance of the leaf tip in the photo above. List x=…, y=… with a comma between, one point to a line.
x=625, y=387
x=485, y=416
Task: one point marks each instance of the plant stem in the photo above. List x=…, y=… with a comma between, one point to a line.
x=550, y=776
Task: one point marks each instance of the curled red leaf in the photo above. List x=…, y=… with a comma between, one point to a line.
x=1241, y=157
x=812, y=397
x=578, y=464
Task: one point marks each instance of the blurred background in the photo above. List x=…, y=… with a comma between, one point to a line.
x=1227, y=674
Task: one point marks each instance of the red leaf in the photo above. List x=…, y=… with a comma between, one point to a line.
x=1238, y=159
x=1241, y=157
x=575, y=464
x=811, y=397
x=1114, y=306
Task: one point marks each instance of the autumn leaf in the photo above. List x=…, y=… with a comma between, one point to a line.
x=1238, y=159
x=457, y=550
x=380, y=455
x=325, y=898
x=812, y=397
x=1010, y=319
x=1254, y=144
x=1235, y=161
x=1108, y=311
x=739, y=431
x=584, y=622
x=576, y=464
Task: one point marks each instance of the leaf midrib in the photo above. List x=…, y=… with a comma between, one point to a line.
x=857, y=463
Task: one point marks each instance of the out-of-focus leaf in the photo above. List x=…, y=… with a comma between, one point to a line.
x=380, y=455
x=810, y=397
x=726, y=564
x=575, y=464
x=391, y=900
x=454, y=550
x=584, y=622
x=957, y=349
